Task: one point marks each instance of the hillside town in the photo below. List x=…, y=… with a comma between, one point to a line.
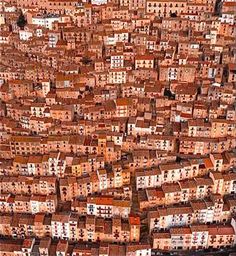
x=117, y=127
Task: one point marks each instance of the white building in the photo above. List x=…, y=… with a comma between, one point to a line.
x=60, y=226
x=2, y=18
x=46, y=87
x=117, y=76
x=25, y=35
x=98, y=2
x=118, y=36
x=10, y=8
x=117, y=61
x=53, y=39
x=45, y=20
x=227, y=17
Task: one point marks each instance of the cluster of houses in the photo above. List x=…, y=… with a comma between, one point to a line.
x=71, y=226
x=117, y=127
